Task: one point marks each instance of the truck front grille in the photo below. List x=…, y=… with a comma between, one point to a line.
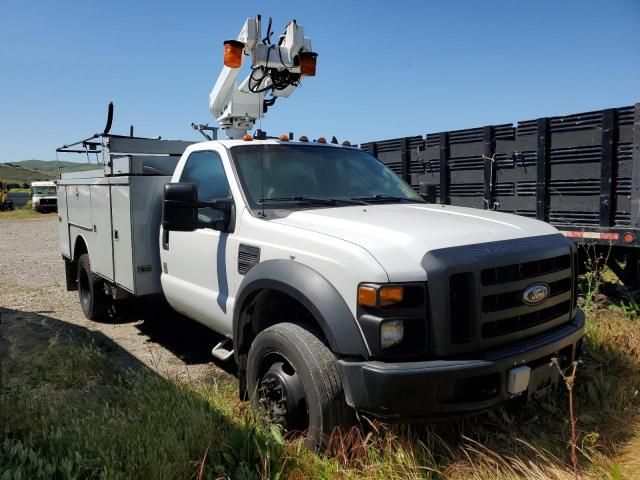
x=503, y=310
x=501, y=301
x=477, y=292
x=522, y=322
x=520, y=271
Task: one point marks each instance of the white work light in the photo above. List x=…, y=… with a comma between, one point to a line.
x=391, y=333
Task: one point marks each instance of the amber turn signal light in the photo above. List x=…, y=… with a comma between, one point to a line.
x=380, y=296
x=367, y=296
x=233, y=53
x=628, y=237
x=390, y=295
x=308, y=63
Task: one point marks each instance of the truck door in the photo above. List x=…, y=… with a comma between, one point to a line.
x=194, y=264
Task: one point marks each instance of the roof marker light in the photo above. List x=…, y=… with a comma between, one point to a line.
x=247, y=138
x=303, y=138
x=321, y=140
x=346, y=143
x=284, y=138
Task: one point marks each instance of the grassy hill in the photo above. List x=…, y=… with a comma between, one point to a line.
x=27, y=171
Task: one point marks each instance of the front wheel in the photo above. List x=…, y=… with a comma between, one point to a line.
x=294, y=377
x=93, y=299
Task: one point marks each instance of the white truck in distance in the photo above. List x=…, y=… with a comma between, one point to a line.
x=337, y=287
x=43, y=196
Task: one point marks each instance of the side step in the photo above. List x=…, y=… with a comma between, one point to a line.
x=223, y=350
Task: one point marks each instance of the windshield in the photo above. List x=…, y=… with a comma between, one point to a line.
x=273, y=175
x=43, y=191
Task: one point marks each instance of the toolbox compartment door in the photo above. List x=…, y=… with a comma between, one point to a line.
x=122, y=239
x=146, y=209
x=79, y=206
x=63, y=222
x=102, y=258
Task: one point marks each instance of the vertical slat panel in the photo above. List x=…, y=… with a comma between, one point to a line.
x=404, y=159
x=374, y=149
x=489, y=166
x=542, y=162
x=635, y=180
x=444, y=167
x=607, y=163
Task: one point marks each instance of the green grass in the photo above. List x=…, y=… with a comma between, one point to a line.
x=21, y=213
x=70, y=410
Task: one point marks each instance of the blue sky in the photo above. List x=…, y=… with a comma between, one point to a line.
x=385, y=69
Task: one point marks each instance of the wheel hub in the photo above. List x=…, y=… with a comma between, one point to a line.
x=282, y=396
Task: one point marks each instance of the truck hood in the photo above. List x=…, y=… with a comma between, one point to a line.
x=399, y=235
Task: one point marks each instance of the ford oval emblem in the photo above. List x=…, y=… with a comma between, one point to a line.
x=535, y=294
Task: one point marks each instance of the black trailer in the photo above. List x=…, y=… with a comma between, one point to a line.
x=580, y=172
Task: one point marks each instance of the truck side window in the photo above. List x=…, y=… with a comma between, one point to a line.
x=205, y=170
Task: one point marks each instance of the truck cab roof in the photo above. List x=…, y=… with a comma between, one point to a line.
x=270, y=141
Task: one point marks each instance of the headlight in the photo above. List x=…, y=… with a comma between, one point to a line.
x=375, y=295
x=391, y=333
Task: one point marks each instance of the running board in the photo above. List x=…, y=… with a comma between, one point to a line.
x=222, y=351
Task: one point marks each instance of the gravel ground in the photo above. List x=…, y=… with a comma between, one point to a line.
x=35, y=306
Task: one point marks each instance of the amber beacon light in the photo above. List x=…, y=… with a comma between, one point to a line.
x=308, y=63
x=233, y=53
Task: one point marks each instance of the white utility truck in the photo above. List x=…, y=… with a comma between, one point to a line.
x=44, y=196
x=337, y=287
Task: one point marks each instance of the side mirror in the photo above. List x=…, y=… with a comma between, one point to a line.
x=428, y=192
x=180, y=207
x=180, y=210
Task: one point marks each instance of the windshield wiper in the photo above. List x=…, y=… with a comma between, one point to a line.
x=314, y=200
x=385, y=198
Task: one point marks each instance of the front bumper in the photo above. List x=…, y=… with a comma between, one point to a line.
x=428, y=389
x=45, y=208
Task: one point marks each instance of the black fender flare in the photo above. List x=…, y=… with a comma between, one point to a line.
x=314, y=292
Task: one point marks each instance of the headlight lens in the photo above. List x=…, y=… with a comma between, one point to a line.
x=380, y=296
x=391, y=333
x=390, y=294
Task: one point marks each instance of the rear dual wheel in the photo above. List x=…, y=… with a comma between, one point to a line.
x=294, y=378
x=93, y=299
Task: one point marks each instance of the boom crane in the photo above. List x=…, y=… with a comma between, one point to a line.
x=276, y=69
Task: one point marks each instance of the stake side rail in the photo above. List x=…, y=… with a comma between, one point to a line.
x=578, y=172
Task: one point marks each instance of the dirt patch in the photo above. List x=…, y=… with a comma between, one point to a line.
x=34, y=306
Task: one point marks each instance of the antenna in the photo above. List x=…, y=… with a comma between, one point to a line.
x=261, y=160
x=262, y=181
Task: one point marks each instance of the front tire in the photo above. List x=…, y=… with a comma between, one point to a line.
x=294, y=377
x=93, y=299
